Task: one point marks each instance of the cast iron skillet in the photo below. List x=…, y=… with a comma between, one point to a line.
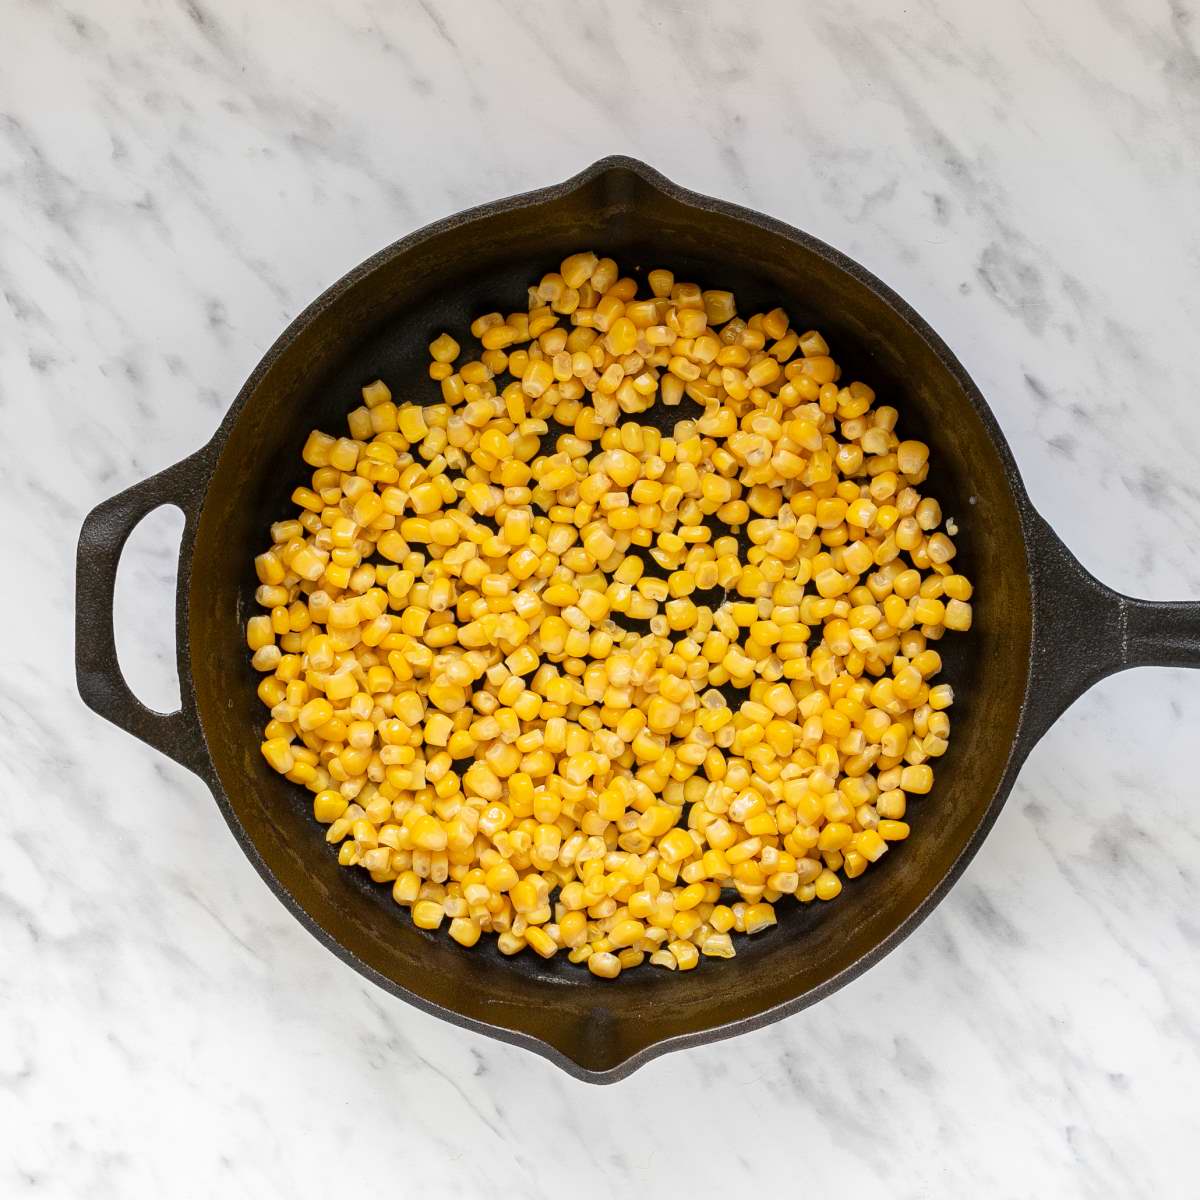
x=1045, y=630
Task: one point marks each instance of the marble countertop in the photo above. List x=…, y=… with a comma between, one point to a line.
x=178, y=178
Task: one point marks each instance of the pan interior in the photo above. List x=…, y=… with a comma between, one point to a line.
x=379, y=327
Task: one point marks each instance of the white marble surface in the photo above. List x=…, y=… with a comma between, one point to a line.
x=178, y=179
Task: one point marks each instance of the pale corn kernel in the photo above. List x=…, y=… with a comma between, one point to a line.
x=718, y=945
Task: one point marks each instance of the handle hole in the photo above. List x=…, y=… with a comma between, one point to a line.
x=144, y=608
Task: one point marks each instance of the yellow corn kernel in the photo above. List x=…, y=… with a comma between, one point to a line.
x=911, y=457
x=721, y=918
x=428, y=834
x=916, y=780
x=931, y=611
x=540, y=941
x=759, y=917
x=604, y=964
x=676, y=845
x=328, y=806
x=443, y=348
x=834, y=836
x=577, y=269
x=626, y=933
x=869, y=844
x=407, y=886
x=957, y=587
x=427, y=914
x=259, y=632
x=502, y=878
x=958, y=615
x=828, y=885
x=685, y=953
x=464, y=930
x=314, y=714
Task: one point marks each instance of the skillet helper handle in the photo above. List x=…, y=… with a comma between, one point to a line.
x=1086, y=631
x=98, y=674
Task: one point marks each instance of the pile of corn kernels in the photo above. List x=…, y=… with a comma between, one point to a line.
x=558, y=677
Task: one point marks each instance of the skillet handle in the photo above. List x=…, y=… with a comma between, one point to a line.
x=97, y=672
x=1162, y=633
x=1085, y=631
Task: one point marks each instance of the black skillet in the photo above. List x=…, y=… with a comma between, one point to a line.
x=1045, y=630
